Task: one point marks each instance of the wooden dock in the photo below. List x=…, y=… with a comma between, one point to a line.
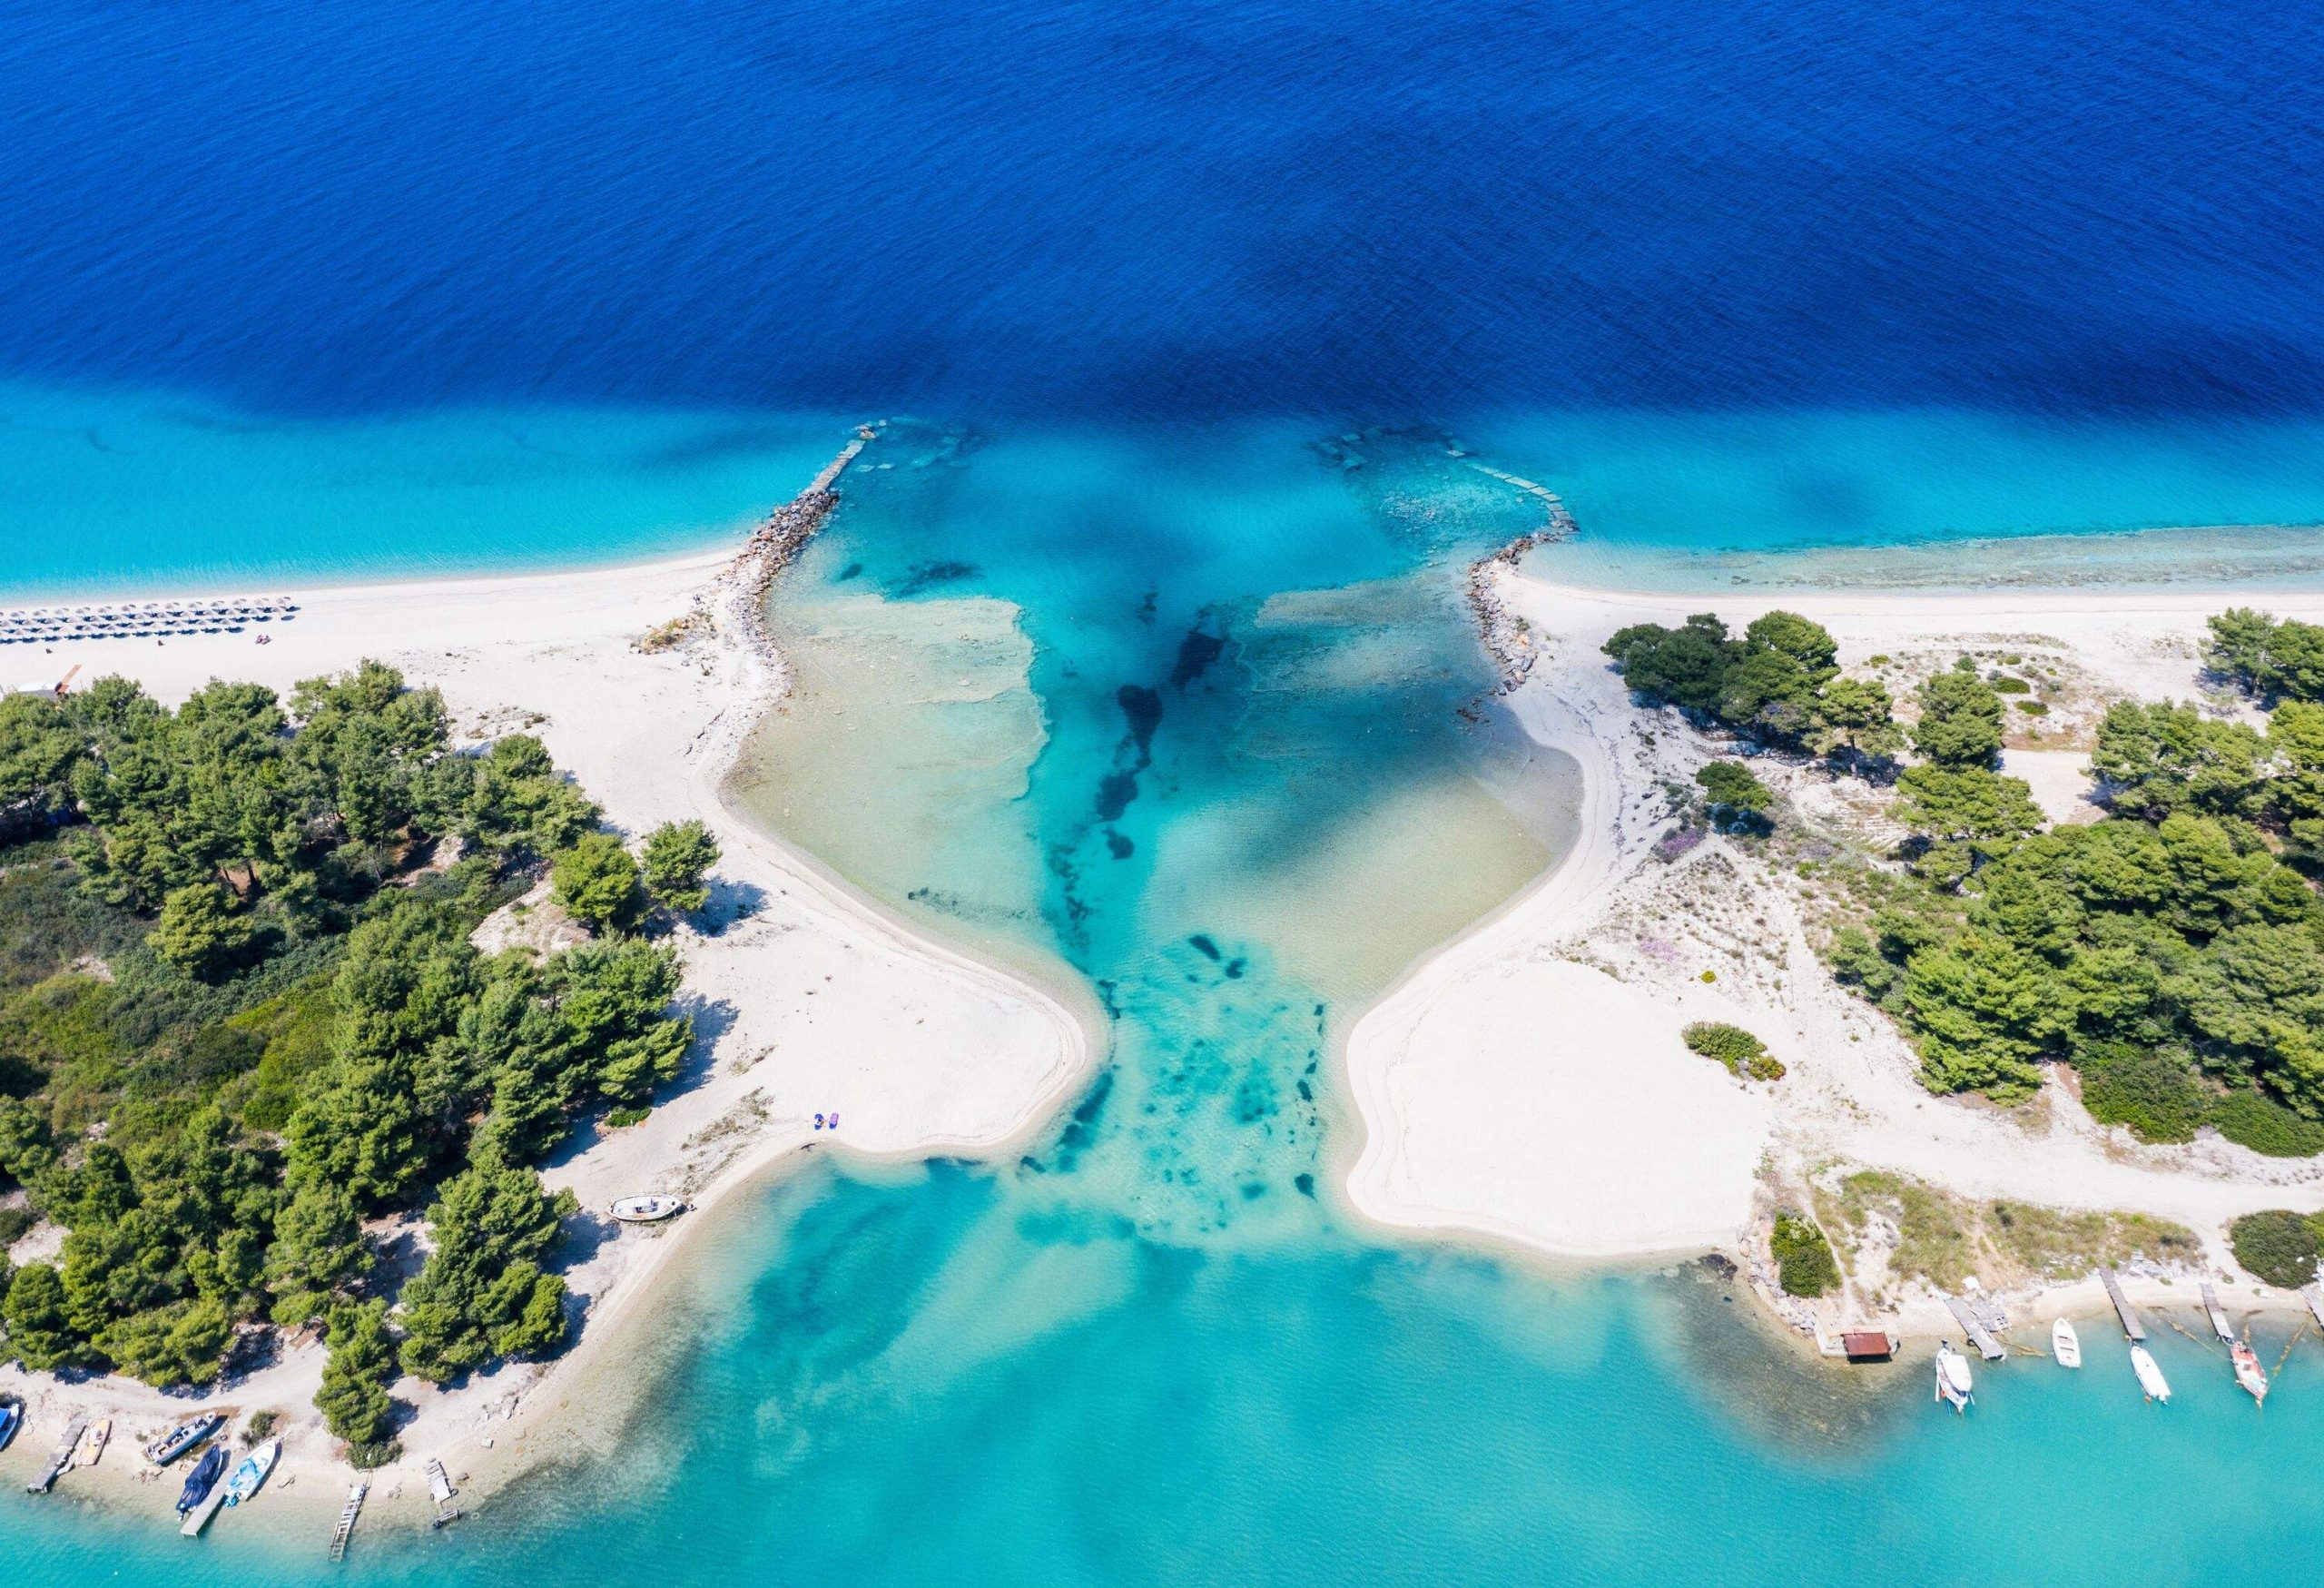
x=2218, y=1314
x=59, y=1463
x=199, y=1518
x=2133, y=1328
x=440, y=1490
x=1979, y=1335
x=345, y=1531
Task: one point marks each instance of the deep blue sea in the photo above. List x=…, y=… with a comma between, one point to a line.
x=1177, y=306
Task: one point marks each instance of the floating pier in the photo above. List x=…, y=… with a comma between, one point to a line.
x=440, y=1490
x=62, y=1460
x=345, y=1531
x=2132, y=1330
x=1979, y=1335
x=2218, y=1315
x=199, y=1518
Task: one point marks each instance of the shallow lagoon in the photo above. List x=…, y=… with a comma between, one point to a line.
x=1193, y=716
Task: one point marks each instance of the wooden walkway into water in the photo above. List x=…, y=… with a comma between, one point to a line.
x=1979, y=1335
x=345, y=1532
x=58, y=1463
x=2133, y=1328
x=2218, y=1314
x=440, y=1490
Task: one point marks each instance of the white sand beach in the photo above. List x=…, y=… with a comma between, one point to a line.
x=809, y=1000
x=1527, y=1083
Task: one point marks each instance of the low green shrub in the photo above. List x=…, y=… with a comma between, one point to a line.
x=2005, y=685
x=378, y=1453
x=622, y=1119
x=2033, y=708
x=2276, y=1246
x=1742, y=1053
x=2253, y=1119
x=1805, y=1265
x=2146, y=1088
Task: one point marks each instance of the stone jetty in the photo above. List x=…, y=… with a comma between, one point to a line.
x=778, y=541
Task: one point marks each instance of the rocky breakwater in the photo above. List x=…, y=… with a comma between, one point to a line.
x=741, y=588
x=1507, y=638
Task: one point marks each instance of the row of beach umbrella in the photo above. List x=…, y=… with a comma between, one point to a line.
x=141, y=619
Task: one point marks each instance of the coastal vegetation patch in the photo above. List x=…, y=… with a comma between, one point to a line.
x=243, y=1025
x=2277, y=1246
x=1893, y=1229
x=1744, y=1054
x=1805, y=1265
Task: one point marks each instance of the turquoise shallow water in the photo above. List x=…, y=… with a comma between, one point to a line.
x=1191, y=713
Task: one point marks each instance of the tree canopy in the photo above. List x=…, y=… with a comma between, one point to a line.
x=241, y=1012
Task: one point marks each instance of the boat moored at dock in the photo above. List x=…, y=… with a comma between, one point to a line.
x=202, y=1479
x=1953, y=1383
x=251, y=1474
x=2150, y=1379
x=2248, y=1371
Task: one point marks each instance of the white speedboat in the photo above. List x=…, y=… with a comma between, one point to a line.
x=1953, y=1385
x=2248, y=1371
x=2066, y=1344
x=647, y=1210
x=2150, y=1379
x=252, y=1473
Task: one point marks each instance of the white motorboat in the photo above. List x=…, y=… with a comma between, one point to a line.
x=1953, y=1385
x=252, y=1473
x=647, y=1210
x=2150, y=1379
x=2248, y=1371
x=2066, y=1344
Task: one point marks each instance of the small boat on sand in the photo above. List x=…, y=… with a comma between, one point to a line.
x=2066, y=1344
x=2248, y=1371
x=2150, y=1379
x=185, y=1437
x=92, y=1443
x=252, y=1472
x=647, y=1210
x=12, y=1418
x=1953, y=1385
x=201, y=1479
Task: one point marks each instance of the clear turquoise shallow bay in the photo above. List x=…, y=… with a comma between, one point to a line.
x=1175, y=710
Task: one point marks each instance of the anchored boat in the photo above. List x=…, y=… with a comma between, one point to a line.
x=185, y=1437
x=1953, y=1385
x=2150, y=1379
x=2066, y=1344
x=201, y=1479
x=2248, y=1371
x=252, y=1472
x=647, y=1210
